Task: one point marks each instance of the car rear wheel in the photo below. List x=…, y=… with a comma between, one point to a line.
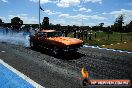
x=55, y=50
x=31, y=44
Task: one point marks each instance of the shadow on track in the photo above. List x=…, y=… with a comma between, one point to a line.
x=61, y=55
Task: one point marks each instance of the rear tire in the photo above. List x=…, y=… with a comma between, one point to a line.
x=32, y=45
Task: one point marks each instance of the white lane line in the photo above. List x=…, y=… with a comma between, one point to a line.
x=3, y=51
x=33, y=83
x=121, y=51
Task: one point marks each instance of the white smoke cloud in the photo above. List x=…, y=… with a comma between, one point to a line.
x=21, y=38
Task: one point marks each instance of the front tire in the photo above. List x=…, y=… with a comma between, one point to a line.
x=55, y=50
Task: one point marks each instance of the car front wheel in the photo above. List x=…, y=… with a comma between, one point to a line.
x=55, y=50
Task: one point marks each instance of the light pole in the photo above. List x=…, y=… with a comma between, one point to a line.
x=39, y=14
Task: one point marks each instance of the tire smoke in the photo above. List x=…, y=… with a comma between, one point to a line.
x=18, y=38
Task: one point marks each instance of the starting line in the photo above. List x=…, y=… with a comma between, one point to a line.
x=11, y=78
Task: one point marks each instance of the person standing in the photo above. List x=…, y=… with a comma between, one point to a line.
x=75, y=33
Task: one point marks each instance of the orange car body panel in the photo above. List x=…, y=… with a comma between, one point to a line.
x=65, y=40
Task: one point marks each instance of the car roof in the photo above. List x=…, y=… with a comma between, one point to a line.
x=47, y=31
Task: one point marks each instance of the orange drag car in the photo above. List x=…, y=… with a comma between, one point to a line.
x=54, y=40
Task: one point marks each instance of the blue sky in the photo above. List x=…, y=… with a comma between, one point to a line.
x=67, y=12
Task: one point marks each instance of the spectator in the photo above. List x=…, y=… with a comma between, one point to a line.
x=78, y=34
x=85, y=34
x=75, y=33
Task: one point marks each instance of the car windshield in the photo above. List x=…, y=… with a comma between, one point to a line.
x=54, y=34
x=49, y=34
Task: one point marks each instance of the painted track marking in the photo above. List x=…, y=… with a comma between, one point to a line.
x=33, y=83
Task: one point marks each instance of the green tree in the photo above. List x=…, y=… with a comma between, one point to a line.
x=1, y=23
x=45, y=23
x=16, y=23
x=118, y=23
x=0, y=20
x=101, y=26
x=129, y=27
x=108, y=31
x=130, y=23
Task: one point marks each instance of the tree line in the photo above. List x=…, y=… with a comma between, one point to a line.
x=16, y=24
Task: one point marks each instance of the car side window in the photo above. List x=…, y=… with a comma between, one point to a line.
x=41, y=34
x=44, y=34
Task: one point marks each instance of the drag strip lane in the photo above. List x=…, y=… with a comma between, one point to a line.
x=58, y=73
x=10, y=77
x=38, y=67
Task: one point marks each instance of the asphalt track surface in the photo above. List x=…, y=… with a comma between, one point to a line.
x=64, y=70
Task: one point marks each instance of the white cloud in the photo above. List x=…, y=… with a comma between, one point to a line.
x=96, y=17
x=26, y=19
x=59, y=21
x=104, y=13
x=64, y=15
x=89, y=10
x=107, y=23
x=94, y=1
x=79, y=6
x=122, y=11
x=68, y=3
x=85, y=10
x=4, y=1
x=82, y=9
x=130, y=4
x=45, y=1
x=41, y=1
x=3, y=19
x=75, y=10
x=127, y=14
x=49, y=12
x=81, y=16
